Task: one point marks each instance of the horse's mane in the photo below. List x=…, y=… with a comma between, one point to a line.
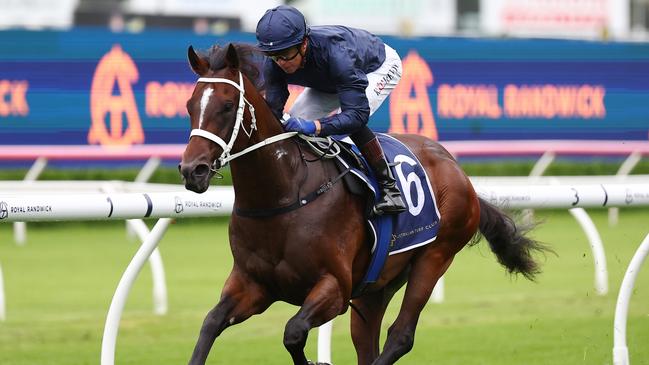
x=251, y=61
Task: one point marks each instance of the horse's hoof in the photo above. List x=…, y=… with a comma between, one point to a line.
x=317, y=363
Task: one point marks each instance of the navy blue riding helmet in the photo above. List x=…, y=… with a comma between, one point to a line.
x=280, y=28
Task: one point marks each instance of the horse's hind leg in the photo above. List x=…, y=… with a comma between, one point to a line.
x=323, y=303
x=366, y=325
x=240, y=299
x=426, y=270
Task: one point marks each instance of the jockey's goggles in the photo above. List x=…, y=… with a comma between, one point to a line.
x=284, y=54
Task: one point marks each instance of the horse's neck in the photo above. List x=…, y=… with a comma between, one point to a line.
x=271, y=175
x=273, y=171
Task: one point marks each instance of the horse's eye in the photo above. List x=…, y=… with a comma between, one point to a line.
x=228, y=106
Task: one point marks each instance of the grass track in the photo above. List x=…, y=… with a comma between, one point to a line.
x=60, y=284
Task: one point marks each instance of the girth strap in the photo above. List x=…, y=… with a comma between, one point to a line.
x=300, y=202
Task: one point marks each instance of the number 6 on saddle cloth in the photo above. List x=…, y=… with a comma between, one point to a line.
x=415, y=227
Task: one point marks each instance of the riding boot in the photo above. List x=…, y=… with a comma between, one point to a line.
x=390, y=201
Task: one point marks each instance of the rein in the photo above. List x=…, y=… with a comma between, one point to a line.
x=324, y=147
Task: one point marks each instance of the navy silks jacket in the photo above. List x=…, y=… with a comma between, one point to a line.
x=338, y=59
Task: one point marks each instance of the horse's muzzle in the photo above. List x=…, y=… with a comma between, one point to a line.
x=196, y=176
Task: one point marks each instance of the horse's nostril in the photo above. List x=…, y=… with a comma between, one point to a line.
x=185, y=170
x=201, y=170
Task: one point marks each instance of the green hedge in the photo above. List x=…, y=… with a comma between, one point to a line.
x=557, y=168
x=167, y=175
x=170, y=175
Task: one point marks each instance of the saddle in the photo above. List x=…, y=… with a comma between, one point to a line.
x=346, y=160
x=389, y=234
x=354, y=161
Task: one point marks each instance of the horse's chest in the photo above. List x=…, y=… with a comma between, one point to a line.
x=287, y=279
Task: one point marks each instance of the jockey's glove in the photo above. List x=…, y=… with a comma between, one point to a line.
x=304, y=126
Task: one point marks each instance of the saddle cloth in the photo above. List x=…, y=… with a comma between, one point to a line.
x=415, y=227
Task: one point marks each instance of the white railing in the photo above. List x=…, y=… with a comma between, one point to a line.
x=177, y=204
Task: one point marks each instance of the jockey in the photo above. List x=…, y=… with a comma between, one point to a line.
x=344, y=70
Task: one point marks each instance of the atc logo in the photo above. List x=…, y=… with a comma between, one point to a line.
x=4, y=210
x=13, y=98
x=178, y=207
x=115, y=71
x=628, y=196
x=410, y=110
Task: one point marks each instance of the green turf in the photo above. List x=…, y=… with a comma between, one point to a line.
x=60, y=284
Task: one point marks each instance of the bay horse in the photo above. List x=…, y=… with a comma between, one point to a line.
x=314, y=255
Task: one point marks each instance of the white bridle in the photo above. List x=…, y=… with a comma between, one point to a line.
x=238, y=124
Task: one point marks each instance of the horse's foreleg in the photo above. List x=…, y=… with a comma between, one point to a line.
x=240, y=299
x=366, y=330
x=324, y=302
x=426, y=271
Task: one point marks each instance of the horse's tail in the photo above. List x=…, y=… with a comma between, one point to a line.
x=508, y=241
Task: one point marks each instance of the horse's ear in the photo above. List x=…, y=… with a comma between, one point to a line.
x=200, y=65
x=231, y=57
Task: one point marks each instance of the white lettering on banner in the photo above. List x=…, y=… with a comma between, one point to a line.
x=412, y=178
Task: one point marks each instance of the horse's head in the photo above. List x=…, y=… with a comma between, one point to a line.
x=216, y=110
